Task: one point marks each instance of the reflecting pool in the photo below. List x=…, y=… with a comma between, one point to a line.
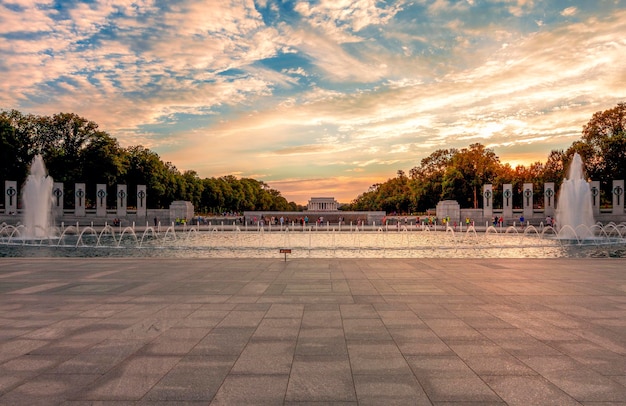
x=175, y=242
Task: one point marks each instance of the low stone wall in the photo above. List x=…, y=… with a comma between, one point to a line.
x=332, y=217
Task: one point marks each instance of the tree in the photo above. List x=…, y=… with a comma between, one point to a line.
x=103, y=160
x=62, y=139
x=17, y=147
x=467, y=171
x=603, y=144
x=427, y=178
x=146, y=168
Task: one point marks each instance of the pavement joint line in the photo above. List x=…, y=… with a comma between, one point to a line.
x=222, y=331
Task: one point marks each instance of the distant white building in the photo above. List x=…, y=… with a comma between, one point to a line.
x=323, y=204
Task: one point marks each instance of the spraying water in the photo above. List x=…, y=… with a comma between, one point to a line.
x=37, y=200
x=574, y=205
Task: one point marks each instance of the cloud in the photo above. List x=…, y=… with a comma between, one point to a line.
x=570, y=11
x=299, y=90
x=338, y=19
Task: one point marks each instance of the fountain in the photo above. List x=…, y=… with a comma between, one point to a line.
x=576, y=235
x=574, y=215
x=37, y=201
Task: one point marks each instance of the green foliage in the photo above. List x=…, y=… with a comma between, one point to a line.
x=461, y=174
x=76, y=151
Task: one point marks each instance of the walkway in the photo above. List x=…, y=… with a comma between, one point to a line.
x=312, y=331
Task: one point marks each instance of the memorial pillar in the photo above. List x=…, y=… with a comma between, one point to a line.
x=122, y=201
x=79, y=200
x=57, y=198
x=101, y=200
x=618, y=197
x=10, y=197
x=488, y=201
x=548, y=199
x=507, y=201
x=595, y=197
x=141, y=201
x=528, y=201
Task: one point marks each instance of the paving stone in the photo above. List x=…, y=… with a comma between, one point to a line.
x=252, y=390
x=383, y=389
x=123, y=331
x=320, y=379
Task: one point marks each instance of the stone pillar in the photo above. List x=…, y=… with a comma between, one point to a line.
x=618, y=197
x=548, y=199
x=527, y=201
x=122, y=200
x=10, y=197
x=57, y=198
x=101, y=200
x=79, y=200
x=449, y=208
x=488, y=201
x=507, y=201
x=141, y=201
x=595, y=197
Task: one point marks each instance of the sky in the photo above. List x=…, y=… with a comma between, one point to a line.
x=318, y=98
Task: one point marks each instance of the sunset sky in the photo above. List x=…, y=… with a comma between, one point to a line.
x=318, y=98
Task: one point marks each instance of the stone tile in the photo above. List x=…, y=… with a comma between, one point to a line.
x=321, y=318
x=175, y=341
x=265, y=357
x=100, y=358
x=18, y=347
x=278, y=310
x=365, y=329
x=380, y=358
x=192, y=379
x=278, y=329
x=419, y=341
x=322, y=341
x=528, y=390
x=503, y=364
x=131, y=380
x=358, y=311
x=252, y=390
x=223, y=341
x=469, y=388
x=400, y=319
x=382, y=389
x=47, y=389
x=575, y=379
x=453, y=329
x=439, y=366
x=242, y=319
x=465, y=332
x=320, y=379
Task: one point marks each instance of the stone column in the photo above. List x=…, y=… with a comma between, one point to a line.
x=548, y=199
x=595, y=197
x=527, y=198
x=488, y=201
x=101, y=200
x=122, y=200
x=10, y=197
x=507, y=201
x=57, y=198
x=79, y=200
x=141, y=201
x=618, y=197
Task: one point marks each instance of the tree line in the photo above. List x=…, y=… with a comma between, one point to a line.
x=76, y=151
x=459, y=174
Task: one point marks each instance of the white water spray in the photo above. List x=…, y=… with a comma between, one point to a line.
x=37, y=200
x=574, y=215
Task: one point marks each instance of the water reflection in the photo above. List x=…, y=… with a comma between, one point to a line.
x=608, y=241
